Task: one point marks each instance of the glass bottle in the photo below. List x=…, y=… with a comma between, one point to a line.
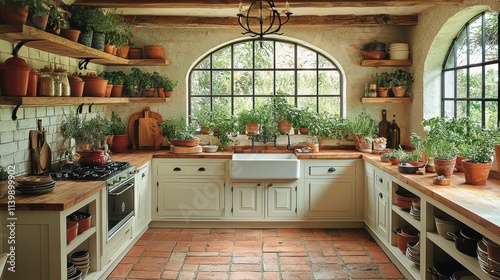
x=63, y=77
x=394, y=134
x=57, y=84
x=45, y=83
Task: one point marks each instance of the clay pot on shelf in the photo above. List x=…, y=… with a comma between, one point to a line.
x=444, y=167
x=109, y=48
x=109, y=88
x=70, y=34
x=117, y=91
x=94, y=86
x=15, y=76
x=135, y=53
x=32, y=83
x=76, y=85
x=476, y=173
x=39, y=22
x=13, y=14
x=123, y=51
x=168, y=93
x=382, y=92
x=120, y=143
x=398, y=91
x=154, y=52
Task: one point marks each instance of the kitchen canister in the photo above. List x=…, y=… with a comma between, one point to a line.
x=15, y=76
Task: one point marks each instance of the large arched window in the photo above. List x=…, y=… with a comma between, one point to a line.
x=246, y=74
x=471, y=72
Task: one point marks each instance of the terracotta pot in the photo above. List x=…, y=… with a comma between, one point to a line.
x=109, y=140
x=149, y=92
x=444, y=167
x=361, y=144
x=497, y=156
x=398, y=91
x=12, y=14
x=161, y=92
x=32, y=83
x=108, y=48
x=382, y=92
x=71, y=230
x=92, y=157
x=394, y=161
x=38, y=22
x=120, y=143
x=123, y=51
x=135, y=53
x=252, y=128
x=15, y=76
x=94, y=86
x=185, y=143
x=76, y=85
x=109, y=88
x=476, y=173
x=284, y=126
x=405, y=235
x=458, y=164
x=304, y=130
x=70, y=34
x=430, y=167
x=205, y=130
x=154, y=52
x=117, y=91
x=168, y=93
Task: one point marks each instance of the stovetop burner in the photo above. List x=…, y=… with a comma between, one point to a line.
x=78, y=172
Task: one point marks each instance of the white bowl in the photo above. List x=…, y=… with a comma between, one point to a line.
x=399, y=55
x=210, y=148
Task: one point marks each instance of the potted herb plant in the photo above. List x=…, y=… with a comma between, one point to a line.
x=249, y=121
x=56, y=19
x=442, y=148
x=383, y=83
x=399, y=82
x=14, y=11
x=362, y=128
x=168, y=86
x=117, y=79
x=284, y=113
x=117, y=134
x=38, y=15
x=180, y=133
x=478, y=163
x=132, y=81
x=72, y=128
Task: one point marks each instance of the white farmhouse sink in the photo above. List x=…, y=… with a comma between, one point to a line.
x=265, y=166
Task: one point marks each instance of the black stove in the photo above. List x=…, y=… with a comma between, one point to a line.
x=75, y=171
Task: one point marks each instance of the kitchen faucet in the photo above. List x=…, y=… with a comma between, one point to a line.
x=264, y=139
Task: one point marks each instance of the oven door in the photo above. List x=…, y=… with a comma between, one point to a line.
x=120, y=206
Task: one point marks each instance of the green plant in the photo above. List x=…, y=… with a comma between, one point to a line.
x=400, y=78
x=133, y=79
x=227, y=127
x=81, y=17
x=119, y=33
x=116, y=125
x=168, y=84
x=397, y=153
x=71, y=127
x=439, y=141
x=415, y=155
x=4, y=175
x=248, y=116
x=68, y=155
x=38, y=8
x=96, y=129
x=114, y=77
x=282, y=109
x=56, y=17
x=484, y=146
x=362, y=125
x=381, y=79
x=178, y=130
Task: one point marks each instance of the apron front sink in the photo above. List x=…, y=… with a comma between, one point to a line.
x=265, y=166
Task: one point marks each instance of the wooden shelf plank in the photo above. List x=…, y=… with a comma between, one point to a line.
x=386, y=100
x=44, y=101
x=148, y=99
x=388, y=62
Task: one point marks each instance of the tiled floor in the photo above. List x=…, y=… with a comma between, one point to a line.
x=255, y=254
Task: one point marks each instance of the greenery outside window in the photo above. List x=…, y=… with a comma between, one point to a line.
x=471, y=72
x=247, y=74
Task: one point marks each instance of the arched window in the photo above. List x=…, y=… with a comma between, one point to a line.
x=471, y=72
x=246, y=74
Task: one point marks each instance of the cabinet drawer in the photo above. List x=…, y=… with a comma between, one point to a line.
x=334, y=168
x=142, y=175
x=190, y=169
x=117, y=241
x=381, y=182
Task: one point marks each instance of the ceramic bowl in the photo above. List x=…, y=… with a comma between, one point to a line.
x=210, y=148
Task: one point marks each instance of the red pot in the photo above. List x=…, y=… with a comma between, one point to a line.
x=32, y=83
x=120, y=143
x=123, y=51
x=93, y=157
x=15, y=76
x=12, y=14
x=94, y=86
x=70, y=34
x=135, y=53
x=117, y=91
x=154, y=52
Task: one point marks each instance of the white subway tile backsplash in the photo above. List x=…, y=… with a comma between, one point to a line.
x=8, y=148
x=6, y=160
x=8, y=126
x=6, y=113
x=6, y=137
x=41, y=112
x=50, y=111
x=21, y=156
x=29, y=113
x=26, y=124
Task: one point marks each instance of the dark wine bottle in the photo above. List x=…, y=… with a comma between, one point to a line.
x=394, y=134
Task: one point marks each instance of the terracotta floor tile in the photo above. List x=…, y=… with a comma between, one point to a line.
x=149, y=266
x=140, y=274
x=121, y=270
x=209, y=275
x=294, y=275
x=136, y=251
x=171, y=275
x=246, y=267
x=245, y=275
x=390, y=271
x=270, y=275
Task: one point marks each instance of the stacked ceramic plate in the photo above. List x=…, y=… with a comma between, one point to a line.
x=413, y=252
x=72, y=272
x=399, y=51
x=35, y=184
x=81, y=260
x=415, y=209
x=445, y=224
x=489, y=266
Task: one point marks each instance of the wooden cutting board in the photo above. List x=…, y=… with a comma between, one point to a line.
x=133, y=125
x=149, y=132
x=35, y=138
x=45, y=152
x=383, y=126
x=185, y=150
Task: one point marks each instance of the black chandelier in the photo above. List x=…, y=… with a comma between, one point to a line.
x=262, y=18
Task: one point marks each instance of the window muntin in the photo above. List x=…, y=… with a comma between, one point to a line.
x=471, y=72
x=247, y=73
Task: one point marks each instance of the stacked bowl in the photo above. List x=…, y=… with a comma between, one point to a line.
x=404, y=199
x=405, y=235
x=399, y=51
x=415, y=210
x=487, y=264
x=445, y=224
x=72, y=272
x=34, y=185
x=413, y=252
x=81, y=260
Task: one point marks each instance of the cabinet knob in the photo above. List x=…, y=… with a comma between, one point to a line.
x=332, y=169
x=258, y=185
x=270, y=185
x=177, y=169
x=143, y=175
x=202, y=169
x=380, y=195
x=380, y=180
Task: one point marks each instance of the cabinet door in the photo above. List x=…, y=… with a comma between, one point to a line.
x=248, y=200
x=331, y=198
x=370, y=198
x=143, y=198
x=382, y=220
x=189, y=198
x=282, y=199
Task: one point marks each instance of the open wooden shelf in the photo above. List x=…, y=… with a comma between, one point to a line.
x=44, y=101
x=386, y=100
x=55, y=44
x=386, y=62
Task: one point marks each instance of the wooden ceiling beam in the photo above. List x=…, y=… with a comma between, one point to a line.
x=293, y=3
x=296, y=21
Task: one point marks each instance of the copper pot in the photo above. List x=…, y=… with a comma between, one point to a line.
x=93, y=157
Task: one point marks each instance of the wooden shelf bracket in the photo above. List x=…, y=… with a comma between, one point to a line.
x=14, y=112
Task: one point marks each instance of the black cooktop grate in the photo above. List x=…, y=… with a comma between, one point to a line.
x=78, y=172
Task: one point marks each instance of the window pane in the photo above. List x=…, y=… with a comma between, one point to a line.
x=306, y=82
x=204, y=64
x=243, y=83
x=241, y=104
x=491, y=115
x=491, y=81
x=199, y=103
x=461, y=109
x=264, y=55
x=476, y=82
x=200, y=83
x=491, y=22
x=285, y=82
x=285, y=55
x=223, y=105
x=325, y=63
x=476, y=41
x=450, y=61
x=329, y=82
x=221, y=59
x=449, y=84
x=329, y=105
x=461, y=49
x=476, y=110
x=221, y=82
x=307, y=103
x=449, y=109
x=306, y=58
x=264, y=83
x=243, y=55
x=462, y=83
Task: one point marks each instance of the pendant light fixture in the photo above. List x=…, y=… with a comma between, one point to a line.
x=262, y=18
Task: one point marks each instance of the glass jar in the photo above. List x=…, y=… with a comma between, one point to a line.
x=57, y=84
x=45, y=83
x=62, y=75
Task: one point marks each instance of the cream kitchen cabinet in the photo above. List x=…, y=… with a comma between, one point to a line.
x=333, y=189
x=377, y=203
x=142, y=198
x=264, y=200
x=188, y=188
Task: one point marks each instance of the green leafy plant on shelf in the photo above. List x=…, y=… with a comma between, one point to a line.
x=178, y=130
x=116, y=125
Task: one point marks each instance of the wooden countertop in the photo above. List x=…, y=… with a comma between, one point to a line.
x=480, y=204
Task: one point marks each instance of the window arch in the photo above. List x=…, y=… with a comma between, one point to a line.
x=245, y=74
x=470, y=73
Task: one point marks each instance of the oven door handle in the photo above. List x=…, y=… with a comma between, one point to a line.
x=128, y=186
